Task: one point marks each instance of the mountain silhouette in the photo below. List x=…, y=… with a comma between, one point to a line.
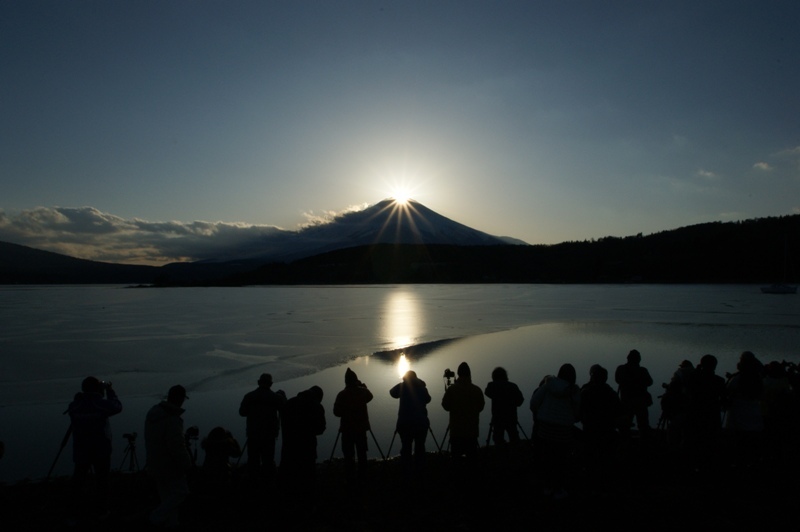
x=386, y=222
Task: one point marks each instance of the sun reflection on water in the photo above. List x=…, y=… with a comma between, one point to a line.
x=401, y=320
x=403, y=365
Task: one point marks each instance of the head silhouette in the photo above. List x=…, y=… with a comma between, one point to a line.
x=499, y=374
x=634, y=357
x=567, y=373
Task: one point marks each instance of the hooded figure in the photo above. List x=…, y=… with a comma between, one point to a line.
x=351, y=406
x=465, y=403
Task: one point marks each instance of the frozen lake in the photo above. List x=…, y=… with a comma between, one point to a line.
x=217, y=341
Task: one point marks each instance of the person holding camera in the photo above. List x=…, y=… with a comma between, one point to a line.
x=261, y=408
x=465, y=403
x=91, y=440
x=168, y=458
x=351, y=406
x=412, y=420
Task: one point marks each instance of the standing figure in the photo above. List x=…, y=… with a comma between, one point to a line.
x=556, y=406
x=261, y=408
x=600, y=414
x=506, y=398
x=168, y=458
x=220, y=446
x=744, y=419
x=412, y=420
x=302, y=420
x=704, y=420
x=633, y=381
x=351, y=406
x=465, y=403
x=91, y=440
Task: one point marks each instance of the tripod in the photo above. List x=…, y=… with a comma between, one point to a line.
x=333, y=450
x=429, y=430
x=130, y=453
x=491, y=429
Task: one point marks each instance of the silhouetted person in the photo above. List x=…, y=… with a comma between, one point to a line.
x=633, y=381
x=556, y=406
x=168, y=458
x=676, y=405
x=220, y=446
x=600, y=415
x=302, y=420
x=351, y=406
x=706, y=392
x=465, y=403
x=412, y=420
x=91, y=441
x=744, y=419
x=779, y=410
x=261, y=408
x=506, y=398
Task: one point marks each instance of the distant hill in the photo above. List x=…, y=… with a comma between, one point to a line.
x=25, y=265
x=762, y=250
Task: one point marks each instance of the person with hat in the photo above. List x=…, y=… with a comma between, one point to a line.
x=168, y=458
x=351, y=406
x=91, y=438
x=261, y=408
x=465, y=403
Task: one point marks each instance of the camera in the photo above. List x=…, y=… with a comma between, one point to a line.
x=192, y=433
x=449, y=374
x=130, y=436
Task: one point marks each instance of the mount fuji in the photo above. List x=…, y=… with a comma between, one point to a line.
x=386, y=222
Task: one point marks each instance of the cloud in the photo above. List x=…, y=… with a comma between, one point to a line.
x=329, y=216
x=88, y=233
x=763, y=166
x=706, y=174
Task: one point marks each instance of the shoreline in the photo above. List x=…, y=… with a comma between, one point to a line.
x=650, y=487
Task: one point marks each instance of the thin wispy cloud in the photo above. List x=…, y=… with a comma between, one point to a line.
x=765, y=167
x=89, y=233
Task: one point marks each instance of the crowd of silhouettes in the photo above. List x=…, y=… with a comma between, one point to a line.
x=755, y=410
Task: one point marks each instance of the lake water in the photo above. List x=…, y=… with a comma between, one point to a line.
x=217, y=341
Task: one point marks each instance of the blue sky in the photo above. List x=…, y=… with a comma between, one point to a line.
x=125, y=126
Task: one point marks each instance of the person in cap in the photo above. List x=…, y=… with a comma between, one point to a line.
x=91, y=440
x=464, y=401
x=168, y=458
x=351, y=407
x=261, y=408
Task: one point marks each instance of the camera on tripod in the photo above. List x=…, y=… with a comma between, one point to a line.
x=130, y=436
x=449, y=376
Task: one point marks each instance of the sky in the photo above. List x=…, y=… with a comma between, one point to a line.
x=130, y=127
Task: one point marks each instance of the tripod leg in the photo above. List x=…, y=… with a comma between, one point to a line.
x=522, y=431
x=376, y=444
x=389, y=452
x=334, y=445
x=489, y=436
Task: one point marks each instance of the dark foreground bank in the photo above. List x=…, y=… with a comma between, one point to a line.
x=650, y=487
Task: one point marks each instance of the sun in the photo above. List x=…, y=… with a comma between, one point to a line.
x=401, y=196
